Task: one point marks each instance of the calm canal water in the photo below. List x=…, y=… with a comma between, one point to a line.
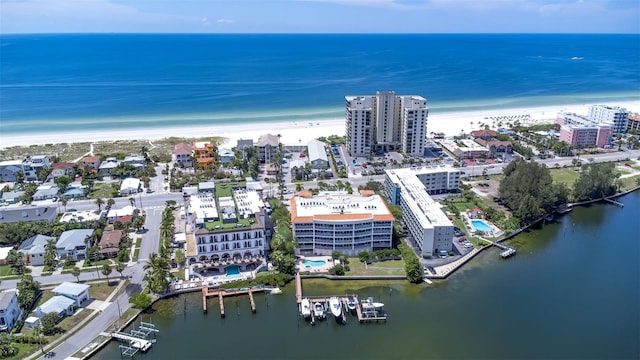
x=572, y=291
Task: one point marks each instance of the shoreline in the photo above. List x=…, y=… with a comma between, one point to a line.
x=296, y=132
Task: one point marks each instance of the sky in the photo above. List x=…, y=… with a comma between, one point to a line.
x=319, y=16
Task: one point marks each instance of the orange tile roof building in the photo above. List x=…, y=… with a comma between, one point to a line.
x=339, y=221
x=203, y=154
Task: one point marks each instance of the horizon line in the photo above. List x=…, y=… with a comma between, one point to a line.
x=319, y=33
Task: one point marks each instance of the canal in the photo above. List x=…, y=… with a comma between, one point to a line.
x=572, y=291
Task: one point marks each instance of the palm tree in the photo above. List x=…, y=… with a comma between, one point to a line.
x=76, y=272
x=99, y=202
x=132, y=201
x=106, y=270
x=120, y=266
x=110, y=203
x=64, y=202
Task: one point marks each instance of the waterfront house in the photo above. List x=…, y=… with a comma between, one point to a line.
x=33, y=249
x=79, y=293
x=267, y=147
x=182, y=153
x=108, y=165
x=9, y=310
x=203, y=154
x=226, y=156
x=109, y=244
x=91, y=162
x=61, y=305
x=73, y=243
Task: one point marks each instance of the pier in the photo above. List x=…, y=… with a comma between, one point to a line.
x=364, y=315
x=611, y=201
x=221, y=294
x=136, y=340
x=298, y=289
x=506, y=250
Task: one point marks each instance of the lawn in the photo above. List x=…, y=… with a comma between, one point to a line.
x=136, y=254
x=5, y=270
x=101, y=291
x=390, y=267
x=565, y=175
x=97, y=263
x=102, y=190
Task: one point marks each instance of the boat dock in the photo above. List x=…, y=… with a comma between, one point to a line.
x=611, y=201
x=298, y=289
x=506, y=250
x=221, y=293
x=136, y=340
x=364, y=315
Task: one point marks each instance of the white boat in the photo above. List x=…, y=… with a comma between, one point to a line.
x=275, y=291
x=318, y=310
x=369, y=304
x=351, y=304
x=336, y=308
x=305, y=308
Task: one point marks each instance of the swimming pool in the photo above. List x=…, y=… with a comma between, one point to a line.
x=233, y=271
x=313, y=263
x=480, y=225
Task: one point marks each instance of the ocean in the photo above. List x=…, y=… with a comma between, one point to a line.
x=118, y=81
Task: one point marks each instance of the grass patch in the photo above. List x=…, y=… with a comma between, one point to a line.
x=136, y=254
x=46, y=273
x=102, y=190
x=629, y=183
x=357, y=268
x=98, y=263
x=178, y=275
x=564, y=175
x=5, y=270
x=138, y=242
x=101, y=291
x=24, y=350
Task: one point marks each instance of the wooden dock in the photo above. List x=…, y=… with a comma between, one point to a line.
x=298, y=289
x=368, y=316
x=221, y=294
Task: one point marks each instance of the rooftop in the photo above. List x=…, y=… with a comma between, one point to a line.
x=28, y=214
x=56, y=304
x=72, y=238
x=268, y=139
x=182, y=149
x=5, y=298
x=70, y=288
x=338, y=206
x=35, y=244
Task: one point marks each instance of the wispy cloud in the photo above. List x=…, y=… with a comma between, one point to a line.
x=225, y=21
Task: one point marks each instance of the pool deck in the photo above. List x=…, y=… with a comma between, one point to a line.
x=315, y=269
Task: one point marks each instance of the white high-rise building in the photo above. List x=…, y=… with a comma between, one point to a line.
x=615, y=116
x=385, y=122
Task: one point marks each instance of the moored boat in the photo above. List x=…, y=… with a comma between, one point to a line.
x=318, y=311
x=336, y=308
x=305, y=308
x=369, y=304
x=351, y=304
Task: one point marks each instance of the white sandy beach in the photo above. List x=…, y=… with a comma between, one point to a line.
x=450, y=123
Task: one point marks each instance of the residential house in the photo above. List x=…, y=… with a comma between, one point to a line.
x=4, y=253
x=11, y=197
x=9, y=310
x=496, y=147
x=109, y=244
x=267, y=147
x=9, y=170
x=108, y=165
x=182, y=153
x=130, y=186
x=119, y=214
x=79, y=293
x=226, y=156
x=28, y=214
x=91, y=162
x=33, y=249
x=135, y=160
x=243, y=144
x=73, y=243
x=317, y=155
x=37, y=163
x=61, y=305
x=203, y=154
x=74, y=193
x=62, y=169
x=46, y=191
x=484, y=134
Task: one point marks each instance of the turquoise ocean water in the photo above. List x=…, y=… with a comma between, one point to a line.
x=116, y=81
